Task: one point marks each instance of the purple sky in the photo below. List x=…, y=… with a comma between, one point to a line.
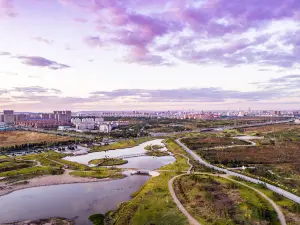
x=154, y=54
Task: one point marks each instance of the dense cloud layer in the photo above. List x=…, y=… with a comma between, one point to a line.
x=183, y=28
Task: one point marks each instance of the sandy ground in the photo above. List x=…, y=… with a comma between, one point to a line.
x=65, y=178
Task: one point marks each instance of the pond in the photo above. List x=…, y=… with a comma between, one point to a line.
x=142, y=162
x=77, y=201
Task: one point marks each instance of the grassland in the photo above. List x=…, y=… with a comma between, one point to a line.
x=98, y=173
x=153, y=147
x=211, y=141
x=275, y=159
x=272, y=128
x=121, y=144
x=12, y=138
x=290, y=209
x=215, y=200
x=108, y=162
x=153, y=204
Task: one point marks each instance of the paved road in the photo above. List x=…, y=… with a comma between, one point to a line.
x=278, y=190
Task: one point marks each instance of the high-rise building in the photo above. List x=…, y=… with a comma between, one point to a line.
x=63, y=116
x=8, y=116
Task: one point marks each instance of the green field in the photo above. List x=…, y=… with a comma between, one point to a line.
x=215, y=200
x=108, y=162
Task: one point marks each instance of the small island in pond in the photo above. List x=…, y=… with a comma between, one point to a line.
x=108, y=162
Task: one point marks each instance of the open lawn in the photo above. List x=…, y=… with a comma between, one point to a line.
x=215, y=200
x=12, y=138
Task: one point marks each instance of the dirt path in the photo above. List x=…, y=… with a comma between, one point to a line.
x=191, y=219
x=277, y=209
x=65, y=166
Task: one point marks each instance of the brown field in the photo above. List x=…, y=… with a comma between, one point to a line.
x=22, y=137
x=272, y=128
x=210, y=142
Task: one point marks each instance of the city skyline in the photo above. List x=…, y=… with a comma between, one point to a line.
x=100, y=55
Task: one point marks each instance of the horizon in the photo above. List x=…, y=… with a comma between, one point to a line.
x=149, y=55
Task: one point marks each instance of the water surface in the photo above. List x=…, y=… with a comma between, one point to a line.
x=69, y=201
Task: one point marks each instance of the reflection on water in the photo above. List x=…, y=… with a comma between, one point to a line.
x=148, y=162
x=81, y=200
x=144, y=162
x=84, y=159
x=69, y=201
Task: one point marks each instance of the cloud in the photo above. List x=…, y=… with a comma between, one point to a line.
x=93, y=41
x=44, y=40
x=211, y=94
x=80, y=20
x=7, y=8
x=183, y=29
x=42, y=62
x=9, y=73
x=5, y=53
x=35, y=90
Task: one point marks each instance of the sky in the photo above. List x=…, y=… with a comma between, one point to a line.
x=88, y=55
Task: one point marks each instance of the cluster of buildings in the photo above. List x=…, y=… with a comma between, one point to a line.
x=92, y=124
x=36, y=120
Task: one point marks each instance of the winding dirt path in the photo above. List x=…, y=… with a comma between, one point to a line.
x=192, y=220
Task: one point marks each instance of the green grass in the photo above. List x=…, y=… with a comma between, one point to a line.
x=97, y=219
x=108, y=162
x=157, y=153
x=215, y=200
x=290, y=209
x=153, y=147
x=72, y=165
x=15, y=165
x=122, y=144
x=100, y=174
x=37, y=170
x=3, y=157
x=152, y=204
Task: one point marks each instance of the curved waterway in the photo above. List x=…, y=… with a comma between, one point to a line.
x=142, y=162
x=79, y=201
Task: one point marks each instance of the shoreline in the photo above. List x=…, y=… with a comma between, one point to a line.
x=50, y=180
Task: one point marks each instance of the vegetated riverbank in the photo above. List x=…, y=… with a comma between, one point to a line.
x=290, y=209
x=153, y=203
x=122, y=144
x=49, y=180
x=215, y=200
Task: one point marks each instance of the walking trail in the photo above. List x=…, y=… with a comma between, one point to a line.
x=192, y=220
